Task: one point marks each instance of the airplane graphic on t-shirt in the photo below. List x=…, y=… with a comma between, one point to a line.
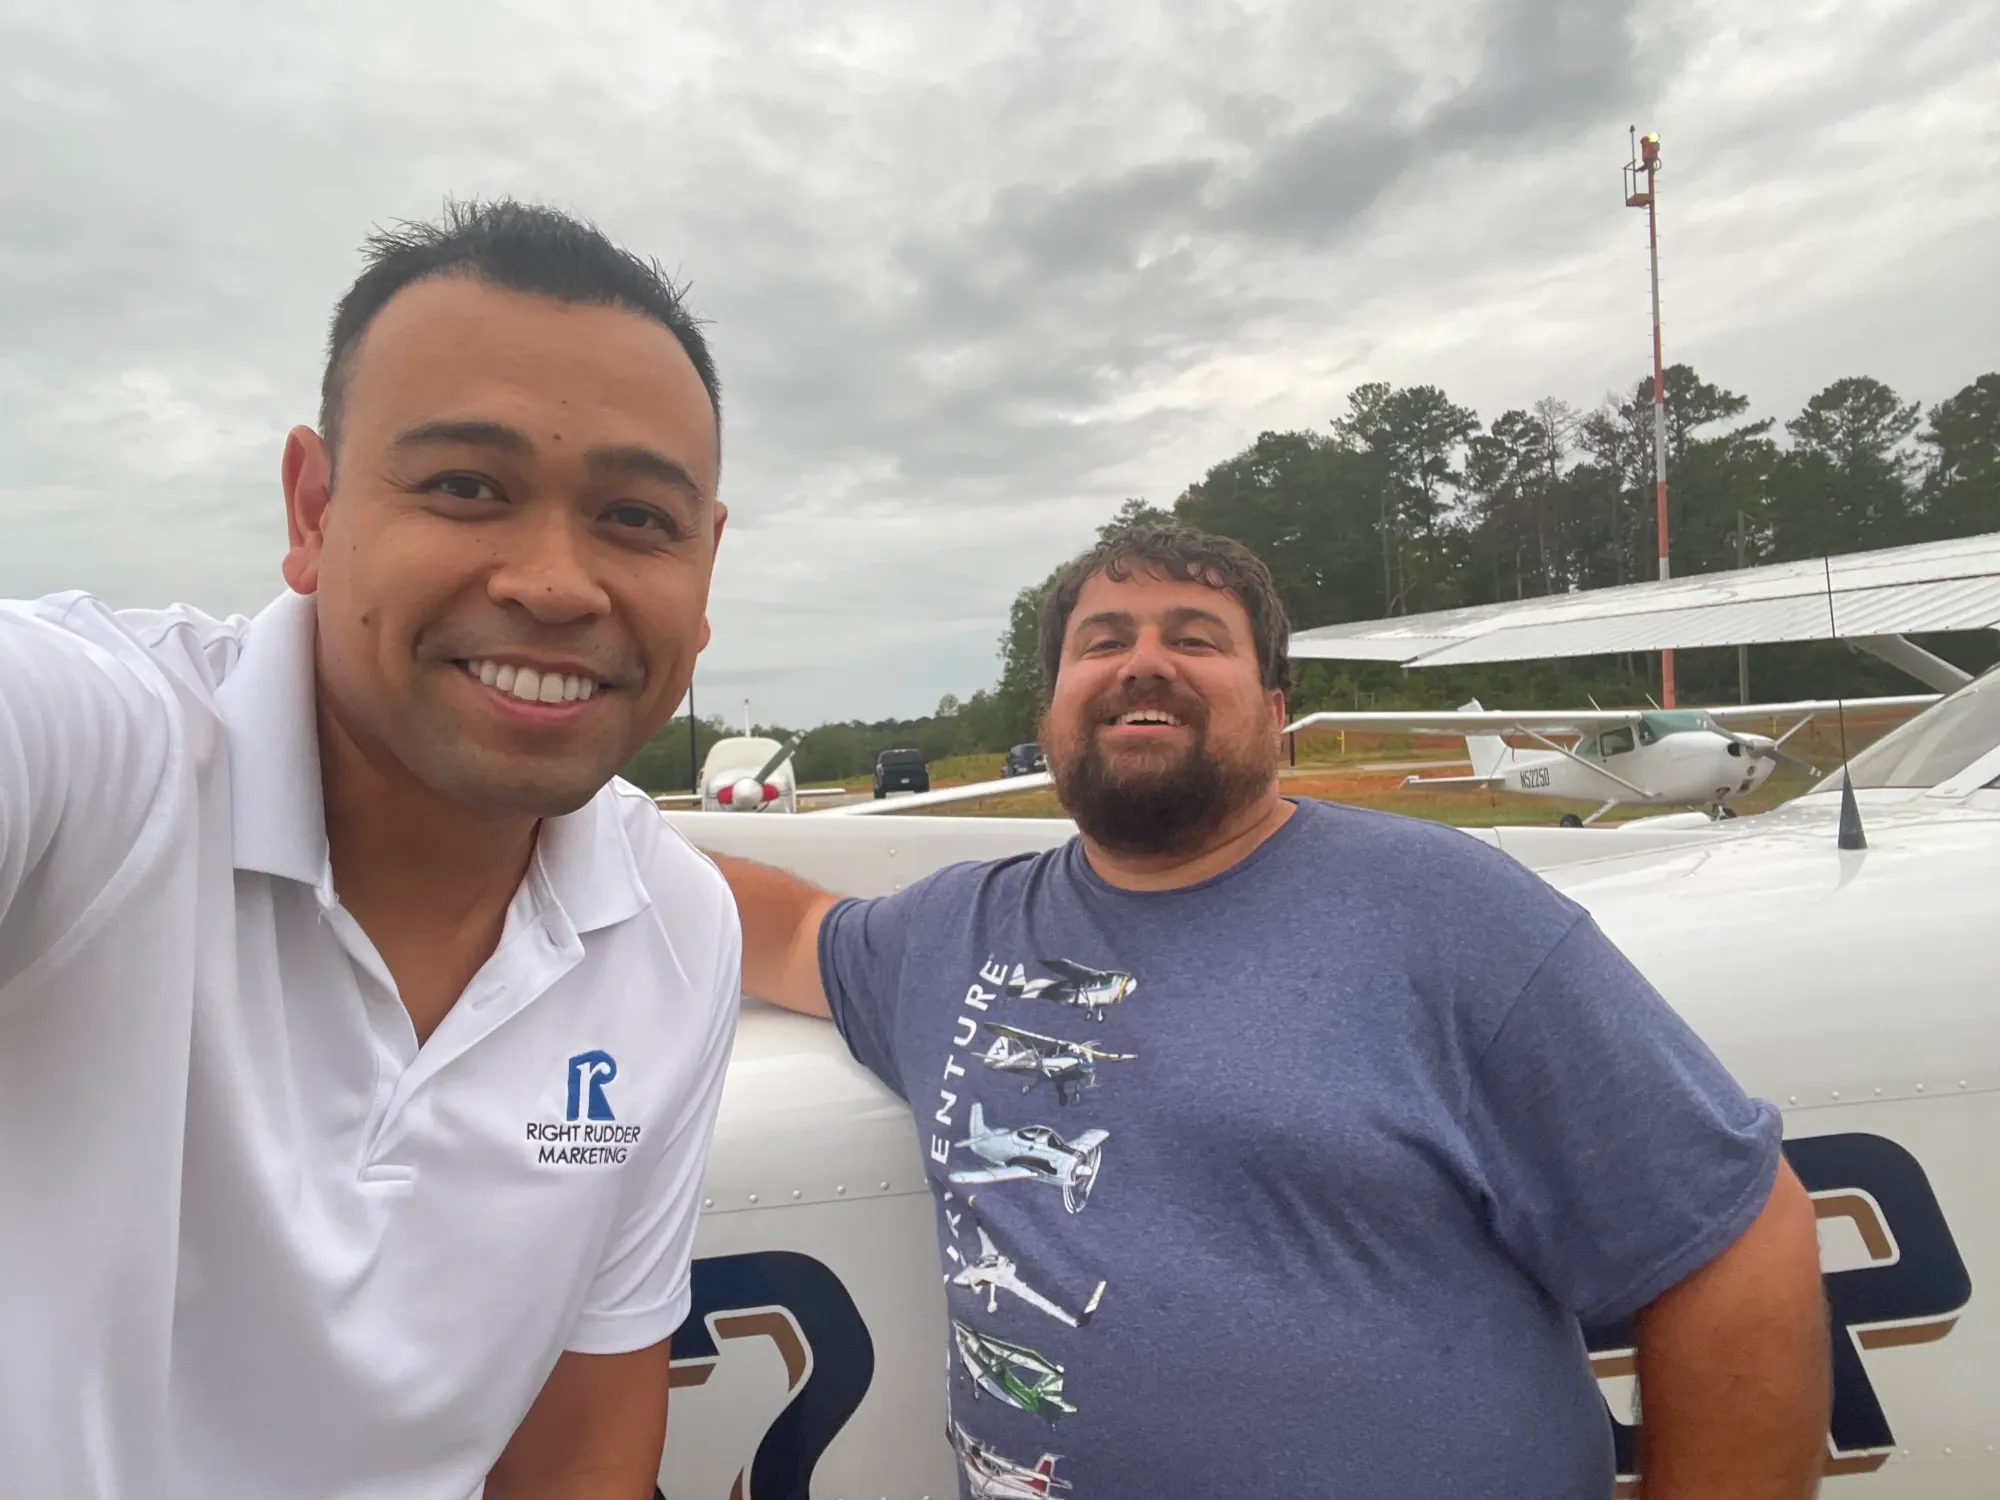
x=1070, y=1066
x=1079, y=985
x=994, y=1273
x=993, y=1477
x=1014, y=1373
x=1035, y=1152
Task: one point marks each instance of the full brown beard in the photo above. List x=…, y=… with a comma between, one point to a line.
x=1175, y=808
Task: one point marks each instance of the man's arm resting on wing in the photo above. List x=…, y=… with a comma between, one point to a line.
x=594, y=1433
x=781, y=916
x=1734, y=1382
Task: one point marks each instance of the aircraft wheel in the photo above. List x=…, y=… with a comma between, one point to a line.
x=1727, y=812
x=1569, y=820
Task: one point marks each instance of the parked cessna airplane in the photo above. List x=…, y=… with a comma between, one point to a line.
x=1854, y=987
x=993, y=1273
x=750, y=773
x=1687, y=757
x=746, y=774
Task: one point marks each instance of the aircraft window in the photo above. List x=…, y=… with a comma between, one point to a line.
x=1587, y=747
x=1615, y=741
x=1938, y=743
x=1645, y=734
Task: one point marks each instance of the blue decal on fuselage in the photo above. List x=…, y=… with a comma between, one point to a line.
x=1927, y=1280
x=843, y=1357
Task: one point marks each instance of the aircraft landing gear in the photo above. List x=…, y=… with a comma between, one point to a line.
x=1569, y=820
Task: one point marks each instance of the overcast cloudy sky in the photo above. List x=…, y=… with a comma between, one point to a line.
x=974, y=273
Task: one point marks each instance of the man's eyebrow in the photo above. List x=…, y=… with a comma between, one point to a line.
x=1188, y=612
x=1114, y=619
x=470, y=433
x=632, y=461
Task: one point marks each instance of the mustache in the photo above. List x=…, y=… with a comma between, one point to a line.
x=614, y=662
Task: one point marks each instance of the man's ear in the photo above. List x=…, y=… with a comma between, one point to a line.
x=307, y=474
x=1276, y=699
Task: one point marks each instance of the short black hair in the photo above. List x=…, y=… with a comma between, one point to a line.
x=524, y=247
x=1173, y=551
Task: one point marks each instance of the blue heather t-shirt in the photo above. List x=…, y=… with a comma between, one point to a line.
x=1297, y=1181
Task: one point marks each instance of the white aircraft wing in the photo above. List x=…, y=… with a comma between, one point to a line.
x=821, y=791
x=1574, y=720
x=1950, y=585
x=663, y=798
x=1478, y=781
x=969, y=793
x=1806, y=707
x=1472, y=721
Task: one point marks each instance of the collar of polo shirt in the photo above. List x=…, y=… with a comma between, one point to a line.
x=278, y=811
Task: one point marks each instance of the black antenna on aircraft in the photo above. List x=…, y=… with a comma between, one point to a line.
x=1851, y=835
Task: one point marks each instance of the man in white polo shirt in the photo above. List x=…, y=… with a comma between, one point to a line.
x=360, y=1036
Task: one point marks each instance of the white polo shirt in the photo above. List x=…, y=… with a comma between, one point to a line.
x=254, y=1240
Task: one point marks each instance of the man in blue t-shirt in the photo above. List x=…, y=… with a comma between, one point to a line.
x=1282, y=1148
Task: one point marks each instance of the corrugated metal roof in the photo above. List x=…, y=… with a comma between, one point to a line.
x=1952, y=585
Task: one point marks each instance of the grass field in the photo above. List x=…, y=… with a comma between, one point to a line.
x=1368, y=771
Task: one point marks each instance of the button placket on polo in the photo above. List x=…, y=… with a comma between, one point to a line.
x=534, y=953
x=391, y=1036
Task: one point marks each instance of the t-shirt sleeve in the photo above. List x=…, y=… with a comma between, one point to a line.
x=863, y=947
x=1620, y=1155
x=642, y=1289
x=85, y=749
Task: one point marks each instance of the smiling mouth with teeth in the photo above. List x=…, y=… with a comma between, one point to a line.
x=1148, y=716
x=529, y=685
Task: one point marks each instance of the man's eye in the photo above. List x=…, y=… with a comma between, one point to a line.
x=634, y=517
x=464, y=487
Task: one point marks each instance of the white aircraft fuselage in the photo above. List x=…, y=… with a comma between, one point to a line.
x=1853, y=989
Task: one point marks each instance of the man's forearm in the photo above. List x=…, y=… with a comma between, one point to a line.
x=781, y=915
x=1734, y=1380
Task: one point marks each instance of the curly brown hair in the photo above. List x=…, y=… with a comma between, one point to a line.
x=1182, y=554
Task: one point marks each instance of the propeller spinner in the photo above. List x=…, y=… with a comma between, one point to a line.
x=755, y=793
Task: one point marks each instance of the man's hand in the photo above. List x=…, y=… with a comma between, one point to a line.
x=594, y=1433
x=1734, y=1382
x=781, y=915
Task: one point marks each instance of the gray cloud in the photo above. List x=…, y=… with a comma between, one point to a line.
x=973, y=275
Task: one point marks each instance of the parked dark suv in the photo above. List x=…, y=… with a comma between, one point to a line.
x=901, y=771
x=1024, y=760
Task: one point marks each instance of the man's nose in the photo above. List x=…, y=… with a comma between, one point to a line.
x=1149, y=660
x=546, y=572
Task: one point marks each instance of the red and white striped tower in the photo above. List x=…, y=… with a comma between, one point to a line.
x=1642, y=191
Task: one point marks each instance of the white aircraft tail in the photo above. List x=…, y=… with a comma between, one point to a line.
x=978, y=1121
x=1487, y=752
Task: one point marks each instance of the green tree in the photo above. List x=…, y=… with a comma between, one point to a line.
x=1961, y=483
x=1414, y=437
x=1847, y=483
x=1132, y=513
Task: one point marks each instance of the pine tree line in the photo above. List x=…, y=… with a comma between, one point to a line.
x=1406, y=501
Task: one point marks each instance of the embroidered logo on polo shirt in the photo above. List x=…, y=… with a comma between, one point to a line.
x=588, y=1135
